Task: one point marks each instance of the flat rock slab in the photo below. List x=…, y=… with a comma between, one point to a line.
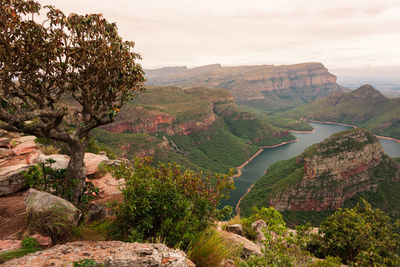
x=109, y=253
x=8, y=245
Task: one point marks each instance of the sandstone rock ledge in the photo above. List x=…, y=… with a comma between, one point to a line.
x=109, y=253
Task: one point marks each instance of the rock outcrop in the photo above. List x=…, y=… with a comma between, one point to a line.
x=335, y=170
x=108, y=253
x=16, y=156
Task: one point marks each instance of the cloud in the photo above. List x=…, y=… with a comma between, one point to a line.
x=189, y=32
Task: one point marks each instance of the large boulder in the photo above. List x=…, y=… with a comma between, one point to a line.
x=108, y=253
x=61, y=161
x=235, y=228
x=258, y=227
x=38, y=202
x=93, y=161
x=249, y=248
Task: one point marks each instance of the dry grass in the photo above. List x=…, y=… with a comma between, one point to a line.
x=211, y=249
x=49, y=149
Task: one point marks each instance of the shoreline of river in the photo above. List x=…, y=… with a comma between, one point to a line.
x=293, y=131
x=354, y=126
x=239, y=168
x=237, y=208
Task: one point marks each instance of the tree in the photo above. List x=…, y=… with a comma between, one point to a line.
x=62, y=78
x=362, y=234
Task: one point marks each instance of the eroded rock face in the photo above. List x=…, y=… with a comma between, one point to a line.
x=38, y=202
x=109, y=253
x=253, y=82
x=335, y=170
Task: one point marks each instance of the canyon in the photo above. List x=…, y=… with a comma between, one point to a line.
x=332, y=174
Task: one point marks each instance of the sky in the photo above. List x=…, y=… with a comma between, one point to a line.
x=340, y=34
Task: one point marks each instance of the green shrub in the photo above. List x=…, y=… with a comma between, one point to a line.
x=166, y=204
x=43, y=177
x=30, y=243
x=360, y=235
x=270, y=216
x=210, y=249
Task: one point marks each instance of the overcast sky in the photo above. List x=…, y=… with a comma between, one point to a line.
x=339, y=33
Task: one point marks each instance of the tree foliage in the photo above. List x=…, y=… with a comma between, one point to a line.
x=168, y=204
x=362, y=234
x=61, y=78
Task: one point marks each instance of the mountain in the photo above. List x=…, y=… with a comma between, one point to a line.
x=365, y=107
x=265, y=87
x=198, y=128
x=335, y=173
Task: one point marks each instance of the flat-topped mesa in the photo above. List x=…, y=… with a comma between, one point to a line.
x=300, y=82
x=345, y=164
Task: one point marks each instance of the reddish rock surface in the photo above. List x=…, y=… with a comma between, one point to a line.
x=8, y=245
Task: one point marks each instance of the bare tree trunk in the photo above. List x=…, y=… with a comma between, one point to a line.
x=76, y=171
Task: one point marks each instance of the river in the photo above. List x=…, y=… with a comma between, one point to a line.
x=256, y=168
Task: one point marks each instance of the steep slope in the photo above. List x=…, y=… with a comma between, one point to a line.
x=264, y=87
x=198, y=127
x=329, y=175
x=365, y=107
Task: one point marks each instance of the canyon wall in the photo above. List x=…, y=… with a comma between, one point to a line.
x=302, y=82
x=336, y=170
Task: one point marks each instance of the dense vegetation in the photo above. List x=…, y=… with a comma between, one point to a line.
x=230, y=140
x=364, y=107
x=362, y=235
x=167, y=204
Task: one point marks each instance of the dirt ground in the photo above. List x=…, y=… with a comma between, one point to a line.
x=12, y=214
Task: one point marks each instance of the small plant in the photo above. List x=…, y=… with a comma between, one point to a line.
x=87, y=263
x=29, y=245
x=53, y=223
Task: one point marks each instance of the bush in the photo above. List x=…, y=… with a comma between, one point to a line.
x=210, y=249
x=53, y=223
x=360, y=235
x=43, y=177
x=270, y=216
x=166, y=204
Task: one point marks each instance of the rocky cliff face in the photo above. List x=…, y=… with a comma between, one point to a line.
x=293, y=83
x=336, y=170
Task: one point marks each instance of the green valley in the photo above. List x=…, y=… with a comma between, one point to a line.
x=198, y=128
x=365, y=107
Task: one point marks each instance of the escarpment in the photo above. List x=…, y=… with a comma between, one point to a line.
x=347, y=165
x=257, y=86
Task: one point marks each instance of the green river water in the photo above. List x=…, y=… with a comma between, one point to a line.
x=256, y=168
